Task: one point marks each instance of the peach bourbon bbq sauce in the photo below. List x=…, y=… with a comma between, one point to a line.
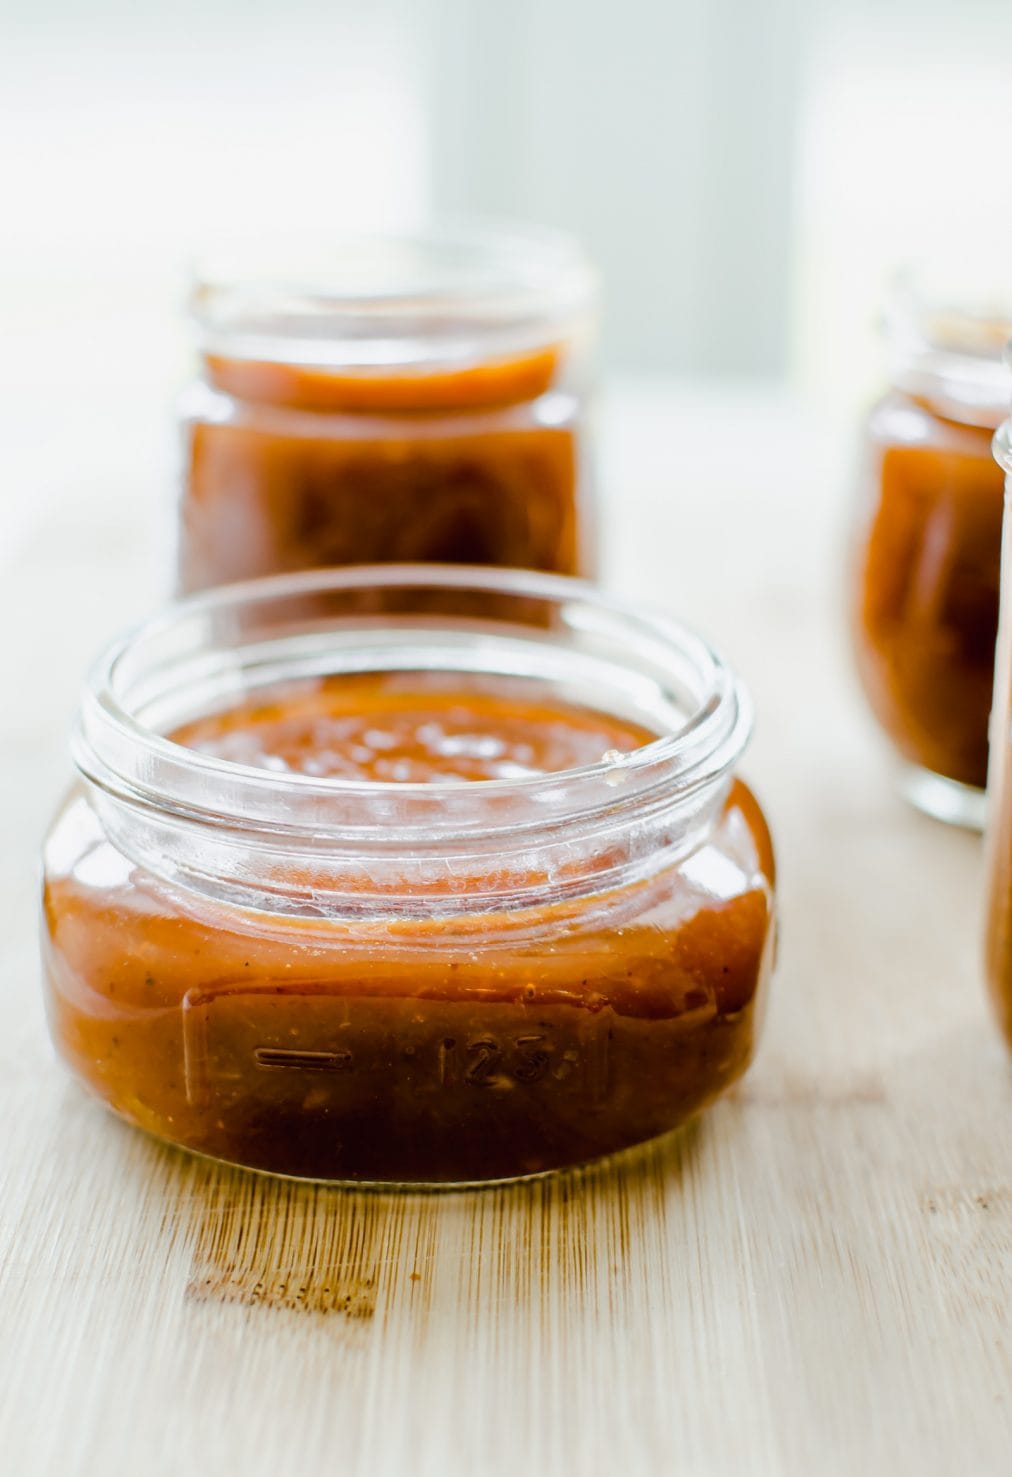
x=414, y=1046
x=425, y=400
x=926, y=557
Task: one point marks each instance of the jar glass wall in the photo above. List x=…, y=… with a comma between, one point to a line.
x=927, y=551
x=998, y=840
x=444, y=981
x=399, y=399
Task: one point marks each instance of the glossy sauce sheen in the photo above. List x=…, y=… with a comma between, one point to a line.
x=302, y=467
x=401, y=728
x=435, y=1048
x=928, y=563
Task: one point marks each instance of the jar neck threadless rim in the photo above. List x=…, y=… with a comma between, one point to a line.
x=217, y=648
x=946, y=349
x=448, y=296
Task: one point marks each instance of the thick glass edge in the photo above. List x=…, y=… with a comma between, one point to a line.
x=532, y=270
x=160, y=772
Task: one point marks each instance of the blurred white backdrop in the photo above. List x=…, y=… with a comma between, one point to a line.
x=906, y=114
x=747, y=172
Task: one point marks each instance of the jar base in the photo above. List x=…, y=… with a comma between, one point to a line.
x=943, y=799
x=682, y=1133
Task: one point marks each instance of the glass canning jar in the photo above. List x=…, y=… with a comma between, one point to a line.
x=362, y=980
x=395, y=399
x=926, y=559
x=998, y=839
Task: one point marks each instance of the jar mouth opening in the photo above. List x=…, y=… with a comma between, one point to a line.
x=214, y=650
x=446, y=293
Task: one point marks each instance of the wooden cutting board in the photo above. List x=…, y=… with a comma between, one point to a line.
x=815, y=1278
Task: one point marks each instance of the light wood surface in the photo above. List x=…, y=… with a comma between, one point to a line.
x=813, y=1280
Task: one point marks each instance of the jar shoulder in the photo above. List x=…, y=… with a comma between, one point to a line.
x=115, y=926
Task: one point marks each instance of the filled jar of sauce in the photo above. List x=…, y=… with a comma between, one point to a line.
x=927, y=553
x=998, y=839
x=401, y=399
x=408, y=875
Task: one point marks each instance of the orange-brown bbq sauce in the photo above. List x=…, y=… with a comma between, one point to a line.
x=413, y=1048
x=313, y=466
x=926, y=607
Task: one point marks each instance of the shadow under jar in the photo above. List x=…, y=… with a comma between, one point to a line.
x=927, y=553
x=403, y=399
x=353, y=890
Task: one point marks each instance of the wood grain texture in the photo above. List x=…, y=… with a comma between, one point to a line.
x=815, y=1278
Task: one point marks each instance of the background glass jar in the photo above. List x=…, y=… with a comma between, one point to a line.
x=927, y=553
x=408, y=982
x=401, y=399
x=998, y=841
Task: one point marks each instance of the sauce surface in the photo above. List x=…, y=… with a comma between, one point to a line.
x=403, y=727
x=309, y=387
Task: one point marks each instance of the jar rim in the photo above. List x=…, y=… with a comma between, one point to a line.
x=947, y=341
x=123, y=752
x=442, y=292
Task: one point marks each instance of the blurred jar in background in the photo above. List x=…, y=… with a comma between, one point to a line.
x=405, y=399
x=999, y=820
x=927, y=554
